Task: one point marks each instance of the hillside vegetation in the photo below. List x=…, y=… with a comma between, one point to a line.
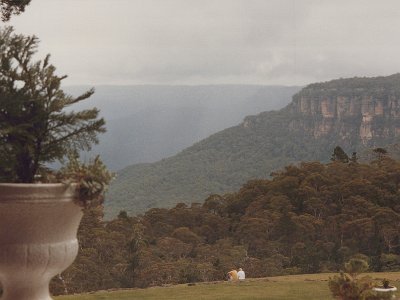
x=264, y=143
x=217, y=164
x=146, y=123
x=308, y=218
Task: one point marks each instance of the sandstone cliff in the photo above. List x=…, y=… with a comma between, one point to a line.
x=350, y=111
x=354, y=113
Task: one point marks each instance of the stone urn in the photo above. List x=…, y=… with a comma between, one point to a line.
x=383, y=290
x=38, y=227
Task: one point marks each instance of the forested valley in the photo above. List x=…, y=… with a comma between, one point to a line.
x=355, y=113
x=308, y=218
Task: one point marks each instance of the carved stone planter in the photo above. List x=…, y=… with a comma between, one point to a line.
x=38, y=226
x=383, y=290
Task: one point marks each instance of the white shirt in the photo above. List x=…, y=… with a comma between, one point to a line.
x=241, y=275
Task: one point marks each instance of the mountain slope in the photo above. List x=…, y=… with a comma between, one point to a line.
x=355, y=113
x=149, y=122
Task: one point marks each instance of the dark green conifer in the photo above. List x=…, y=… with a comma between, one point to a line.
x=339, y=155
x=36, y=122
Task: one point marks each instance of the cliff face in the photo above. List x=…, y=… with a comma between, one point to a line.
x=353, y=113
x=362, y=112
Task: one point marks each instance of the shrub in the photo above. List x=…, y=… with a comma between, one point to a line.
x=348, y=286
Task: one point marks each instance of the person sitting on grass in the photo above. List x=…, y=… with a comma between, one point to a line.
x=233, y=275
x=241, y=275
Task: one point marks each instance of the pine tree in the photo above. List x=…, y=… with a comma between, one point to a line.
x=35, y=125
x=11, y=7
x=339, y=155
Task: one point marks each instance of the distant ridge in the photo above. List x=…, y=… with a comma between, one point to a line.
x=354, y=113
x=146, y=123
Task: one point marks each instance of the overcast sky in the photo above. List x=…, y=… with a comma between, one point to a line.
x=290, y=42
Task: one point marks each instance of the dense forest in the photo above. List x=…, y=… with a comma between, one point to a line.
x=220, y=163
x=307, y=218
x=356, y=113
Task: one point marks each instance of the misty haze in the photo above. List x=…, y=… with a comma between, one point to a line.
x=187, y=149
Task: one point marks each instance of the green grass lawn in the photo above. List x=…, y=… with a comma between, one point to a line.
x=299, y=287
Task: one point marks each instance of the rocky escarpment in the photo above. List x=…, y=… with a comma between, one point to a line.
x=351, y=111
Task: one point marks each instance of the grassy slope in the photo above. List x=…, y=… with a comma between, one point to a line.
x=299, y=287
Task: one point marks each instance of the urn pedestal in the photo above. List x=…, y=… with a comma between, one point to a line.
x=38, y=227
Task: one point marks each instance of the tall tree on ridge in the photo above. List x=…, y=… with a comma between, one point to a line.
x=339, y=155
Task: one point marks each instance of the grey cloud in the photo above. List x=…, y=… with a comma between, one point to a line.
x=224, y=41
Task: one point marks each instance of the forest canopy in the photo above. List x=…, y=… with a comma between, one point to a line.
x=307, y=218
